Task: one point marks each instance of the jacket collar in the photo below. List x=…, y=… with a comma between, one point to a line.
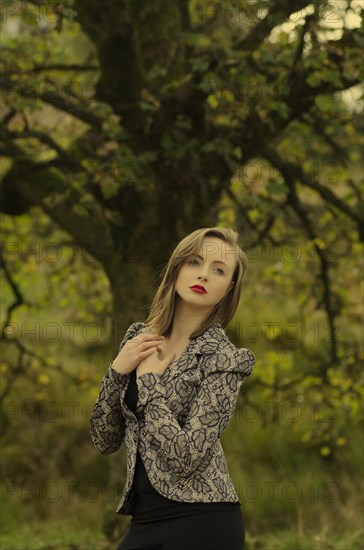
x=208, y=342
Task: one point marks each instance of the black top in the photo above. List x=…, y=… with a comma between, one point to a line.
x=149, y=504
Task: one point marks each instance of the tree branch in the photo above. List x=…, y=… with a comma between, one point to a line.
x=262, y=234
x=56, y=100
x=58, y=8
x=295, y=92
x=54, y=67
x=20, y=368
x=290, y=179
x=295, y=172
x=185, y=16
x=301, y=44
x=44, y=138
x=312, y=121
x=41, y=184
x=279, y=12
x=19, y=299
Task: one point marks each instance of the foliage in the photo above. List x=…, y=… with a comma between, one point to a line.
x=127, y=126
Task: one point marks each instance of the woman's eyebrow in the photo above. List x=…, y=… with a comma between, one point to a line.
x=214, y=262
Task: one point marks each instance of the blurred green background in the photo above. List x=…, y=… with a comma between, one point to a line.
x=126, y=125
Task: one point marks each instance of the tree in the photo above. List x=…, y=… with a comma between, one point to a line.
x=128, y=123
x=187, y=94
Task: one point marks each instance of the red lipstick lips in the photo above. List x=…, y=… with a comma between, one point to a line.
x=198, y=288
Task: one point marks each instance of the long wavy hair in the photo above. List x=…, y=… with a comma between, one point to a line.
x=161, y=313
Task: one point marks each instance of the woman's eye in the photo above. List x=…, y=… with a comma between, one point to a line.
x=196, y=262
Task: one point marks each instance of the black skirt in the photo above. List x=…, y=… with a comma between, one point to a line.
x=206, y=530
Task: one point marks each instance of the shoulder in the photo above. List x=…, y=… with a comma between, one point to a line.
x=136, y=327
x=133, y=329
x=221, y=354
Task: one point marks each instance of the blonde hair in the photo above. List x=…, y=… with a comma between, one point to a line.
x=161, y=312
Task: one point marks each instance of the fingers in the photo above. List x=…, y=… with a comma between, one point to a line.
x=146, y=353
x=148, y=338
x=148, y=341
x=146, y=346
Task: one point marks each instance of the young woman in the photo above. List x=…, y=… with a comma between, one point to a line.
x=169, y=395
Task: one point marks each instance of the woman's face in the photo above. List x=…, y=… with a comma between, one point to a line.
x=212, y=267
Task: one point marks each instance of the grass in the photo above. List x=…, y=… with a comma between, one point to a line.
x=66, y=536
x=54, y=537
x=290, y=540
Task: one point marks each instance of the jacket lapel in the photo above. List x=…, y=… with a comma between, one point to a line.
x=206, y=344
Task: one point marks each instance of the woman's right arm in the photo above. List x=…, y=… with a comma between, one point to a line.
x=107, y=423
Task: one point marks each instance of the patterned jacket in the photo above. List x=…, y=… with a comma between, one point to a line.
x=180, y=417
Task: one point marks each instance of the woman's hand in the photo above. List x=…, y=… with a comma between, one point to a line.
x=152, y=363
x=135, y=350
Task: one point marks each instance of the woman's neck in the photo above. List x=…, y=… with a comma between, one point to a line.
x=185, y=322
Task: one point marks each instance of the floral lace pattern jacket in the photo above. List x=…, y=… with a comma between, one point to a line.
x=180, y=418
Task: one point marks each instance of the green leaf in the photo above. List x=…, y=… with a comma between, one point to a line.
x=314, y=79
x=167, y=142
x=198, y=64
x=213, y=101
x=276, y=187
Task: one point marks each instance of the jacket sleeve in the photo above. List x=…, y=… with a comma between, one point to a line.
x=107, y=423
x=183, y=448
